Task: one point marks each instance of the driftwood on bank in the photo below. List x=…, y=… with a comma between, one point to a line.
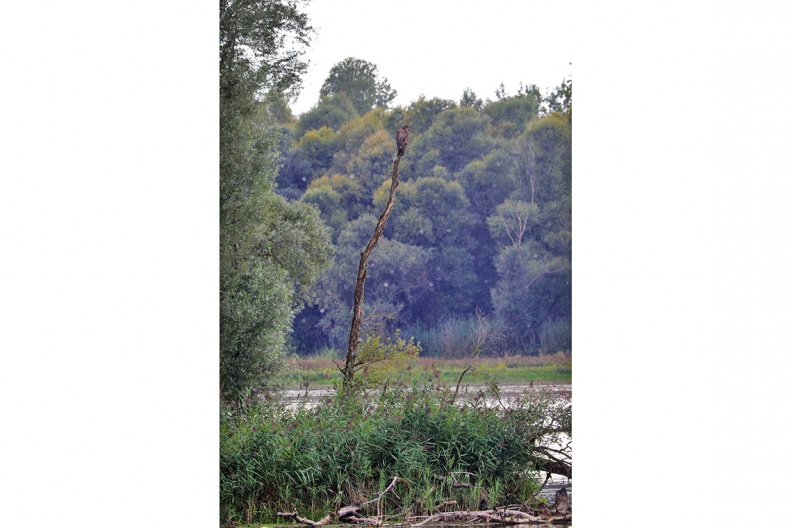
x=558, y=512
x=303, y=520
x=497, y=516
x=493, y=517
x=350, y=514
x=345, y=514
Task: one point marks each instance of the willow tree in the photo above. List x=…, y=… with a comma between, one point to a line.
x=360, y=82
x=271, y=250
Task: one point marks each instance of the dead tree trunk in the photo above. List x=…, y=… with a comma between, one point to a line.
x=357, y=311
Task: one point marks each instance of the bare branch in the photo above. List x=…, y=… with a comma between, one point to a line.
x=453, y=398
x=303, y=520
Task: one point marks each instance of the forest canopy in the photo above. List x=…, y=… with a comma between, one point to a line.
x=482, y=223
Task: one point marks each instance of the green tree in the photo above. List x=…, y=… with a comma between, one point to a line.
x=332, y=301
x=352, y=135
x=262, y=281
x=421, y=113
x=458, y=136
x=447, y=205
x=560, y=99
x=327, y=201
x=510, y=114
x=544, y=159
x=398, y=282
x=338, y=197
x=371, y=162
x=317, y=148
x=271, y=250
x=385, y=359
x=399, y=277
x=412, y=226
x=278, y=111
x=534, y=290
x=455, y=285
x=438, y=206
x=482, y=221
x=349, y=191
x=470, y=100
x=435, y=214
x=332, y=112
x=254, y=57
x=511, y=221
x=488, y=181
x=359, y=81
x=533, y=293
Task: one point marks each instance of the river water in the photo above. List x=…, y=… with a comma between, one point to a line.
x=310, y=397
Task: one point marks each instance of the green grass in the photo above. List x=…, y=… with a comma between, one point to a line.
x=322, y=372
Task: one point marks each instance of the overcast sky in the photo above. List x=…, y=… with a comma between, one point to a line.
x=439, y=48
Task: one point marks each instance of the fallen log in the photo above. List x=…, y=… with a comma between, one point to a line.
x=349, y=514
x=303, y=520
x=552, y=464
x=492, y=516
x=560, y=511
x=507, y=517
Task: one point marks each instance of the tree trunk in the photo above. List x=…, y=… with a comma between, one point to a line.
x=357, y=310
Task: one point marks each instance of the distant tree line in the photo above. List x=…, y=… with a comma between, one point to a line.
x=481, y=230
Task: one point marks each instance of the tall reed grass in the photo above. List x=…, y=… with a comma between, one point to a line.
x=347, y=450
x=481, y=335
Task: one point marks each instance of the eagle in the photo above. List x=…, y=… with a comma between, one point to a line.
x=401, y=139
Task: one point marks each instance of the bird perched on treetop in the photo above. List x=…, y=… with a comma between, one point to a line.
x=401, y=139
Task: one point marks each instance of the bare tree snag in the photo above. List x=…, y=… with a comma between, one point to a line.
x=357, y=311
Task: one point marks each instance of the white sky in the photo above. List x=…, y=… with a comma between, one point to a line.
x=439, y=48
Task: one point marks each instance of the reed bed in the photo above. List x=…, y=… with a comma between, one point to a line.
x=348, y=449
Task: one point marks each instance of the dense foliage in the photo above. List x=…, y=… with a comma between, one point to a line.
x=271, y=249
x=315, y=459
x=360, y=82
x=482, y=223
